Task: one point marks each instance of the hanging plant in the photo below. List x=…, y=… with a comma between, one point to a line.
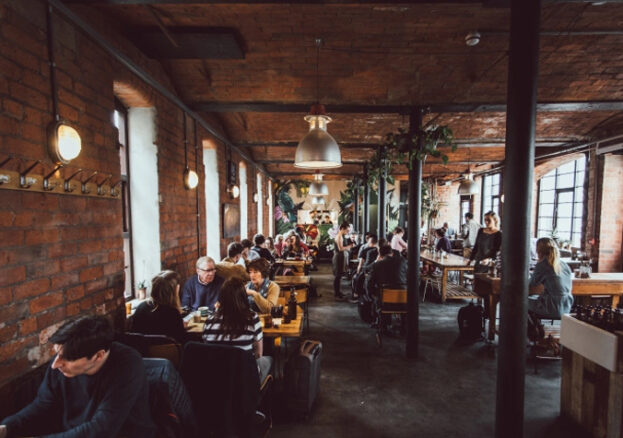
x=399, y=148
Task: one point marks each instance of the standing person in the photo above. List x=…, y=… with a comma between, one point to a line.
x=488, y=242
x=397, y=243
x=161, y=313
x=340, y=255
x=235, y=324
x=554, y=276
x=94, y=388
x=202, y=289
x=470, y=231
x=263, y=293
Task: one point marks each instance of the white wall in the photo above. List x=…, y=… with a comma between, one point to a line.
x=213, y=203
x=144, y=194
x=260, y=205
x=244, y=199
x=271, y=214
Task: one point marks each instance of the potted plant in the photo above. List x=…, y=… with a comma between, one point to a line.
x=141, y=289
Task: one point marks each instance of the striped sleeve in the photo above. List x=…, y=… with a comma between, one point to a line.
x=257, y=329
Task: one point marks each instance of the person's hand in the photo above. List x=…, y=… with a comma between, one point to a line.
x=251, y=292
x=3, y=431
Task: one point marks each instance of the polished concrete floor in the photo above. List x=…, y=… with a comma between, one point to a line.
x=367, y=391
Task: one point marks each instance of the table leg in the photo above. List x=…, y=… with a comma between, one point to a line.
x=615, y=301
x=444, y=284
x=461, y=281
x=493, y=307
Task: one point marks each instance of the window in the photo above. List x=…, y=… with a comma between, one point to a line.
x=271, y=221
x=491, y=186
x=561, y=202
x=243, y=201
x=466, y=207
x=212, y=200
x=260, y=205
x=120, y=120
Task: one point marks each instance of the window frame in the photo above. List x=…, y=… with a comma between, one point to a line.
x=497, y=196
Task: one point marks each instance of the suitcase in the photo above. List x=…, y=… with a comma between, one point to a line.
x=302, y=378
x=471, y=322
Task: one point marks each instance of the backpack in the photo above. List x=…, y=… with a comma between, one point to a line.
x=471, y=322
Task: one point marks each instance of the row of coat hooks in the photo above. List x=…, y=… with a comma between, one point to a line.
x=94, y=184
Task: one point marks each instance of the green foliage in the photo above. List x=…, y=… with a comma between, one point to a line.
x=286, y=213
x=402, y=148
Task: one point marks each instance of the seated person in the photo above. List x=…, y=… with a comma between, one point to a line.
x=389, y=268
x=262, y=292
x=279, y=244
x=202, y=289
x=229, y=267
x=270, y=246
x=235, y=324
x=295, y=248
x=370, y=245
x=449, y=230
x=246, y=247
x=259, y=250
x=94, y=388
x=161, y=313
x=443, y=243
x=397, y=243
x=555, y=277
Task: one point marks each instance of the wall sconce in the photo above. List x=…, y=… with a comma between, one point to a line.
x=256, y=198
x=268, y=200
x=233, y=190
x=64, y=142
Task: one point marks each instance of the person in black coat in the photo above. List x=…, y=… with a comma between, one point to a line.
x=389, y=268
x=161, y=314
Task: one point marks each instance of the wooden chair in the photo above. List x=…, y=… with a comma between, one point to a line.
x=154, y=346
x=393, y=301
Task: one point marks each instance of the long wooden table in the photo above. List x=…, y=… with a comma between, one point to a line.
x=451, y=262
x=292, y=280
x=600, y=283
x=301, y=265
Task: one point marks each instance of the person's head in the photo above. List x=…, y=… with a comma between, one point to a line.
x=205, y=269
x=82, y=345
x=440, y=232
x=344, y=227
x=294, y=241
x=492, y=220
x=445, y=225
x=246, y=246
x=398, y=231
x=547, y=249
x=258, y=270
x=270, y=243
x=259, y=239
x=469, y=216
x=385, y=250
x=372, y=239
x=234, y=251
x=165, y=288
x=382, y=242
x=366, y=235
x=279, y=238
x=234, y=307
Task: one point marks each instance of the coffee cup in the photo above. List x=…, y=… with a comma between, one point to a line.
x=128, y=308
x=197, y=316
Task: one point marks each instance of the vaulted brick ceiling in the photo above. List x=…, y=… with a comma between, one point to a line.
x=383, y=54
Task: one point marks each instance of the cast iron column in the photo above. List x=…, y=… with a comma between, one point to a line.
x=366, y=201
x=413, y=250
x=520, y=126
x=356, y=209
x=382, y=189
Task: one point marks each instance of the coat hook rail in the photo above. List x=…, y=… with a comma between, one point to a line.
x=84, y=188
x=46, y=179
x=67, y=183
x=24, y=181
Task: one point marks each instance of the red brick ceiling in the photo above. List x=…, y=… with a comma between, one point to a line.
x=392, y=54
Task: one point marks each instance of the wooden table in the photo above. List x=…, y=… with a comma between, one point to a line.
x=451, y=262
x=292, y=280
x=297, y=265
x=600, y=283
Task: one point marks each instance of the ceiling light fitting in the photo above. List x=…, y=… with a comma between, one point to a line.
x=318, y=188
x=468, y=186
x=318, y=149
x=472, y=38
x=318, y=200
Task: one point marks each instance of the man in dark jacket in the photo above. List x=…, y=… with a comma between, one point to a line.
x=94, y=388
x=260, y=250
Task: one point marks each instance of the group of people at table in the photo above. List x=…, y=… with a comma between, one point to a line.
x=96, y=387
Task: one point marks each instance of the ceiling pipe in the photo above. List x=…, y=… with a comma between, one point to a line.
x=147, y=78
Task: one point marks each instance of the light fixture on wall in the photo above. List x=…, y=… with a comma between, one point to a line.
x=472, y=38
x=233, y=190
x=318, y=188
x=256, y=198
x=191, y=179
x=318, y=149
x=64, y=142
x=468, y=186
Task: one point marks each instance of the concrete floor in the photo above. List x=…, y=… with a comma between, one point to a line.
x=367, y=391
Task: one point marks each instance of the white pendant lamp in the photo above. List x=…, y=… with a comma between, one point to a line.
x=318, y=149
x=468, y=186
x=318, y=188
x=318, y=200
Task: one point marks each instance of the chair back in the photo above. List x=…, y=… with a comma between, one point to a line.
x=393, y=298
x=301, y=294
x=224, y=386
x=154, y=346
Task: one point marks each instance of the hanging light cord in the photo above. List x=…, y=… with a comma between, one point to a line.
x=318, y=43
x=52, y=63
x=185, y=145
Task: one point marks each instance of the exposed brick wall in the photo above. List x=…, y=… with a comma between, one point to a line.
x=450, y=209
x=62, y=256
x=611, y=218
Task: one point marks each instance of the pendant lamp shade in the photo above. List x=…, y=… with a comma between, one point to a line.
x=318, y=188
x=318, y=149
x=468, y=186
x=318, y=200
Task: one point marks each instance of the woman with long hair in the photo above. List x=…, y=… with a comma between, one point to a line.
x=294, y=247
x=235, y=324
x=553, y=277
x=161, y=313
x=488, y=242
x=340, y=256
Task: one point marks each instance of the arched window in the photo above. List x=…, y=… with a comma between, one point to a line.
x=271, y=221
x=561, y=202
x=260, y=205
x=243, y=201
x=212, y=194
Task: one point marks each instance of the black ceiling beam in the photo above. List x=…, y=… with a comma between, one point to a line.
x=461, y=143
x=487, y=3
x=278, y=107
x=363, y=161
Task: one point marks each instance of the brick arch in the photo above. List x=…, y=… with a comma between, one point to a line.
x=544, y=168
x=130, y=96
